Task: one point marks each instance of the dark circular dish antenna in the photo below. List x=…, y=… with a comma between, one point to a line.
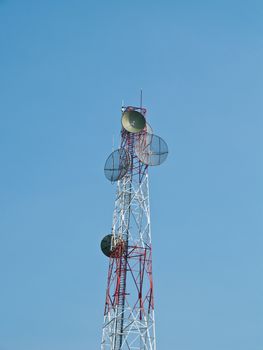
x=117, y=165
x=112, y=248
x=133, y=121
x=105, y=245
x=151, y=149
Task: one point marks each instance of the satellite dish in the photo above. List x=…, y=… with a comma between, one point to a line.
x=117, y=165
x=111, y=247
x=151, y=153
x=133, y=121
x=105, y=245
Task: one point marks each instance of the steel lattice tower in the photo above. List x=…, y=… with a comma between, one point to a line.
x=129, y=307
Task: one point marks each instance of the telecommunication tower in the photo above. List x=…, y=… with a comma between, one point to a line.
x=129, y=307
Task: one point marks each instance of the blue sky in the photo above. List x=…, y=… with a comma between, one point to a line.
x=65, y=67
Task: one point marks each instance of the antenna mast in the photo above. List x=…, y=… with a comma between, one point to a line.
x=129, y=307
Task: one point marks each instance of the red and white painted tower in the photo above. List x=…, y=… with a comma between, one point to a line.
x=129, y=307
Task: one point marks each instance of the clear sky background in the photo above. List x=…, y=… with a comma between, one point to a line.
x=65, y=67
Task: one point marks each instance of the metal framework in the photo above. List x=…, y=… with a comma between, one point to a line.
x=129, y=307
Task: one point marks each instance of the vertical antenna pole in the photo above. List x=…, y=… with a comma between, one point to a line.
x=141, y=99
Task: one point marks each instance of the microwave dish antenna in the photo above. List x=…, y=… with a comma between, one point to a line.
x=117, y=165
x=151, y=149
x=133, y=121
